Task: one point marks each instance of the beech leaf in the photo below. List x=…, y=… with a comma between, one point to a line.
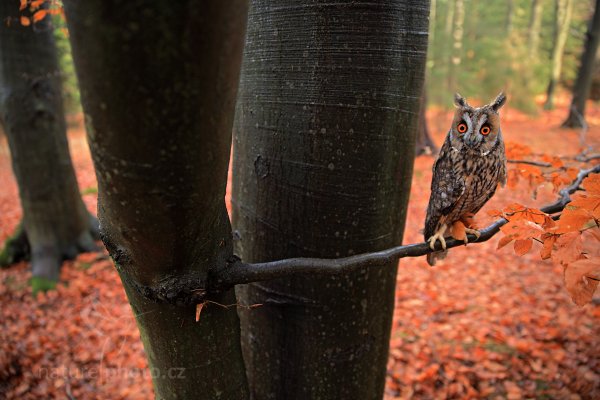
x=581, y=279
x=522, y=246
x=592, y=184
x=568, y=248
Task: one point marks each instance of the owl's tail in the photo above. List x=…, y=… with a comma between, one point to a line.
x=436, y=255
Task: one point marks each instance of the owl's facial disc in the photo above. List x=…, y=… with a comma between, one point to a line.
x=480, y=129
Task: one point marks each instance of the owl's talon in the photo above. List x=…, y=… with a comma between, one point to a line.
x=437, y=236
x=472, y=232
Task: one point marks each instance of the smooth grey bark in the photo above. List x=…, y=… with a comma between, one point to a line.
x=323, y=152
x=158, y=85
x=563, y=11
x=56, y=224
x=583, y=83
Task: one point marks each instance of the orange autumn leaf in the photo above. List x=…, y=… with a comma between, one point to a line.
x=25, y=21
x=39, y=15
x=522, y=246
x=548, y=245
x=522, y=229
x=556, y=162
x=595, y=233
x=572, y=219
x=504, y=241
x=581, y=279
x=512, y=179
x=572, y=173
x=494, y=213
x=568, y=248
x=592, y=184
x=23, y=4
x=517, y=150
x=589, y=202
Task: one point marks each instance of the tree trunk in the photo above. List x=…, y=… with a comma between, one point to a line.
x=563, y=13
x=510, y=14
x=425, y=145
x=158, y=86
x=457, y=44
x=583, y=84
x=323, y=153
x=432, y=18
x=535, y=24
x=449, y=18
x=56, y=223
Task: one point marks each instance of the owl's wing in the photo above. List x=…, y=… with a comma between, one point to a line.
x=446, y=189
x=502, y=166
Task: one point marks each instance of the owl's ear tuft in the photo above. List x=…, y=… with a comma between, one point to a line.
x=499, y=101
x=459, y=101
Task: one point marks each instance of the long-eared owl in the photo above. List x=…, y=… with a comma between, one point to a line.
x=467, y=171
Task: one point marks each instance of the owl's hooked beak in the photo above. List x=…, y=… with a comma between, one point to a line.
x=471, y=140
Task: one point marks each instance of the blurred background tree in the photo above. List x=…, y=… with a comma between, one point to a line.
x=71, y=99
x=479, y=48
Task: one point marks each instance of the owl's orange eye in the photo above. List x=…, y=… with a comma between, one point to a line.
x=485, y=130
x=462, y=127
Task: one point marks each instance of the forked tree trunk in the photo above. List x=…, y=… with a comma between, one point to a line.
x=583, y=84
x=56, y=224
x=158, y=84
x=323, y=153
x=563, y=11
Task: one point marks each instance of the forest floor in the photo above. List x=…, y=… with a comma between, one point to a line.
x=482, y=324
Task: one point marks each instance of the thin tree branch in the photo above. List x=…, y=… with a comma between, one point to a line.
x=584, y=158
x=536, y=163
x=239, y=272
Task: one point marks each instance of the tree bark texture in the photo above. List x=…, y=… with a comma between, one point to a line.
x=563, y=12
x=56, y=223
x=158, y=84
x=583, y=83
x=323, y=152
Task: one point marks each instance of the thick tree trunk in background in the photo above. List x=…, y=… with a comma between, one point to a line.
x=457, y=44
x=535, y=24
x=595, y=86
x=563, y=12
x=425, y=144
x=583, y=84
x=510, y=15
x=432, y=18
x=158, y=83
x=56, y=223
x=449, y=19
x=323, y=153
